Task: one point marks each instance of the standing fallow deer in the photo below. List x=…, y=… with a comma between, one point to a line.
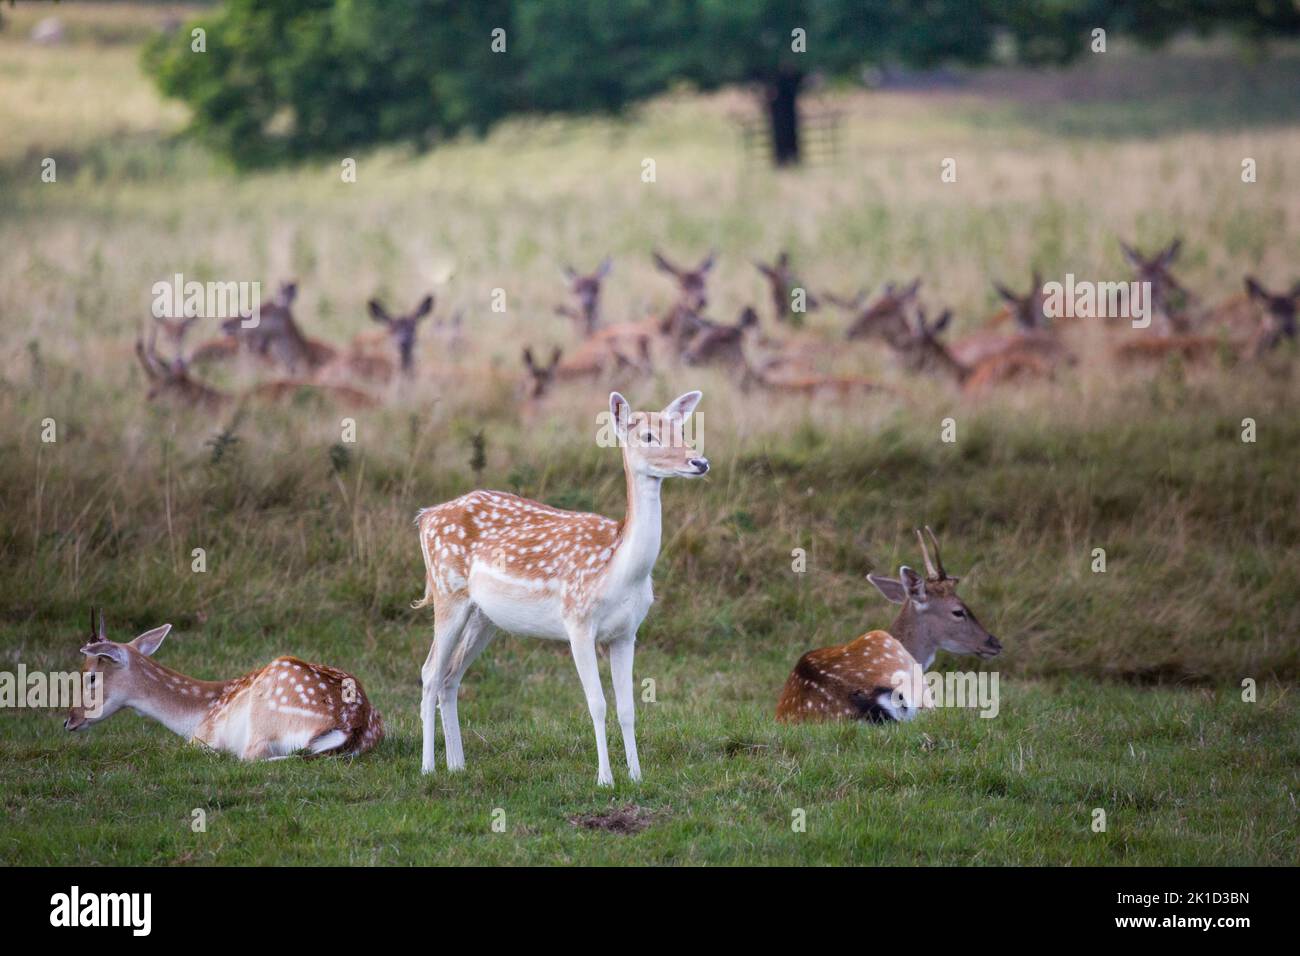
x=923, y=352
x=879, y=676
x=586, y=290
x=287, y=707
x=495, y=561
x=781, y=282
x=886, y=317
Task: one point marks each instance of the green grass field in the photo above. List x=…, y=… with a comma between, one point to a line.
x=1120, y=691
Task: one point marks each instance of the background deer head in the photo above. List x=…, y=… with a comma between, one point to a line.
x=692, y=284
x=402, y=329
x=586, y=289
x=886, y=318
x=1279, y=313
x=1026, y=310
x=540, y=377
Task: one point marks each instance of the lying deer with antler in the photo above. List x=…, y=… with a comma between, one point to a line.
x=494, y=561
x=285, y=708
x=879, y=676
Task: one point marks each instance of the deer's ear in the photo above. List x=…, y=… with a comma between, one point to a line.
x=528, y=359
x=662, y=264
x=605, y=266
x=913, y=583
x=424, y=308
x=148, y=642
x=1007, y=295
x=708, y=261
x=682, y=406
x=377, y=311
x=288, y=292
x=108, y=651
x=1255, y=290
x=1171, y=253
x=893, y=590
x=620, y=412
x=1131, y=254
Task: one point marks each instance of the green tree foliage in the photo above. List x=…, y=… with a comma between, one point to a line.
x=286, y=79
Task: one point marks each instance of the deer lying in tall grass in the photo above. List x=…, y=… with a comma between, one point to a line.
x=285, y=708
x=1033, y=332
x=781, y=282
x=879, y=676
x=496, y=561
x=923, y=351
x=585, y=289
x=1170, y=301
x=886, y=317
x=170, y=382
x=723, y=345
x=682, y=320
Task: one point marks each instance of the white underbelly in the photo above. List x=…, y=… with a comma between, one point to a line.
x=519, y=608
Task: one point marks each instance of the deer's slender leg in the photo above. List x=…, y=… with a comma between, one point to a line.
x=449, y=614
x=620, y=674
x=477, y=634
x=582, y=641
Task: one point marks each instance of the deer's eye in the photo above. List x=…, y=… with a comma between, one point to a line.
x=959, y=613
x=648, y=438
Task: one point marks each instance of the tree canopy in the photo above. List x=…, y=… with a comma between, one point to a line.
x=286, y=79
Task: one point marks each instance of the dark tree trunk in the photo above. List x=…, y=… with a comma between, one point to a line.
x=783, y=114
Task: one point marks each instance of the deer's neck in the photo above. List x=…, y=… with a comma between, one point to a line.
x=907, y=630
x=642, y=530
x=176, y=701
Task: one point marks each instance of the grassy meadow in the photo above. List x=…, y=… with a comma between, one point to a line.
x=1119, y=690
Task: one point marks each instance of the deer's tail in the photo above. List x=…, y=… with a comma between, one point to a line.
x=428, y=562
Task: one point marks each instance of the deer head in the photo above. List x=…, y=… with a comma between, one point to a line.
x=541, y=377
x=171, y=381
x=116, y=681
x=886, y=317
x=654, y=443
x=933, y=617
x=1027, y=309
x=586, y=289
x=921, y=349
x=1279, y=312
x=780, y=280
x=402, y=329
x=691, y=283
x=1155, y=269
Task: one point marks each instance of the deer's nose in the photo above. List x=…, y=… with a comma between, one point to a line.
x=994, y=644
x=700, y=464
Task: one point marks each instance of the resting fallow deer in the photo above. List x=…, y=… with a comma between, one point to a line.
x=586, y=290
x=287, y=707
x=1279, y=315
x=495, y=561
x=781, y=281
x=1169, y=299
x=878, y=676
x=172, y=383
x=1033, y=332
x=923, y=352
x=886, y=317
x=400, y=330
x=683, y=319
x=723, y=345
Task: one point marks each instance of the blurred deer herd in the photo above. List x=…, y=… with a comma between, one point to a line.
x=1023, y=340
